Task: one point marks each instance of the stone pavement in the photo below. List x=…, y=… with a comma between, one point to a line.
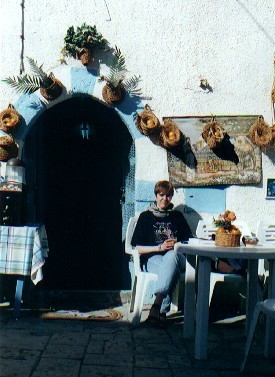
x=36, y=347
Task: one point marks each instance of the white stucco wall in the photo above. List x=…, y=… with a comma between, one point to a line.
x=171, y=44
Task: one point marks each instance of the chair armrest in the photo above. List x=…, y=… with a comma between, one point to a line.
x=136, y=258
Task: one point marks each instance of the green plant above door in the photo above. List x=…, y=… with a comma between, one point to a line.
x=50, y=87
x=81, y=42
x=116, y=85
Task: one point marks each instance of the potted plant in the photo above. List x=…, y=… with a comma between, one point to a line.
x=50, y=87
x=81, y=42
x=116, y=86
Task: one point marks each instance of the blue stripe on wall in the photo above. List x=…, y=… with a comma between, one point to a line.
x=145, y=191
x=83, y=80
x=29, y=107
x=204, y=199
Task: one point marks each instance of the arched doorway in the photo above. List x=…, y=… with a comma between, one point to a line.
x=81, y=163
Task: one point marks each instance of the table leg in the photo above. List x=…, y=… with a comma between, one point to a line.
x=189, y=297
x=252, y=291
x=202, y=312
x=18, y=296
x=270, y=324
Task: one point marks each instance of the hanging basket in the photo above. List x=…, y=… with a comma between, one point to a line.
x=169, y=135
x=5, y=140
x=8, y=151
x=260, y=133
x=54, y=90
x=9, y=119
x=213, y=134
x=227, y=239
x=146, y=122
x=85, y=55
x=113, y=95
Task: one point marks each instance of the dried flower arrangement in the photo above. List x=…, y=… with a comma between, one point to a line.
x=213, y=133
x=260, y=133
x=227, y=235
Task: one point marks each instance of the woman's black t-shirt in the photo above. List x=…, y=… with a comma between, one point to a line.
x=152, y=230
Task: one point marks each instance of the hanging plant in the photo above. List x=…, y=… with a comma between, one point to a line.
x=50, y=87
x=9, y=119
x=213, y=133
x=169, y=135
x=116, y=85
x=81, y=42
x=260, y=133
x=146, y=122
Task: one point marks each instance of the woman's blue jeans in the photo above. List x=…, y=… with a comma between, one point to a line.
x=168, y=267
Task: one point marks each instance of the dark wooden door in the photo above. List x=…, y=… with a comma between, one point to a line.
x=79, y=182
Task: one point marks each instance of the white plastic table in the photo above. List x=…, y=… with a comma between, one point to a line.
x=204, y=251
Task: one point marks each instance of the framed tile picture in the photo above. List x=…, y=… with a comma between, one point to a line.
x=270, y=188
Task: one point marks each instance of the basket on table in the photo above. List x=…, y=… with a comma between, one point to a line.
x=227, y=239
x=169, y=135
x=146, y=122
x=260, y=133
x=213, y=134
x=9, y=119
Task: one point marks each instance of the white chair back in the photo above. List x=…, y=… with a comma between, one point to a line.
x=205, y=229
x=128, y=247
x=266, y=232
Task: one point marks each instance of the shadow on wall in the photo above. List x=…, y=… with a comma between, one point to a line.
x=192, y=217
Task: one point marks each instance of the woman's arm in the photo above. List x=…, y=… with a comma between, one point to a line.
x=166, y=245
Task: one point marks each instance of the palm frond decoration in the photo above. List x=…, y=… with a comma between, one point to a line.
x=25, y=84
x=131, y=85
x=117, y=68
x=28, y=84
x=38, y=71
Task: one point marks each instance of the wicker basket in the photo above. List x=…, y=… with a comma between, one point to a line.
x=5, y=140
x=260, y=133
x=213, y=134
x=53, y=91
x=169, y=135
x=227, y=239
x=147, y=122
x=9, y=119
x=113, y=95
x=85, y=56
x=9, y=151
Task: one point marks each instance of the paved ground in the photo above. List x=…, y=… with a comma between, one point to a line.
x=35, y=347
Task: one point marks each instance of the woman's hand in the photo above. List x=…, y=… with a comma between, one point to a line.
x=168, y=244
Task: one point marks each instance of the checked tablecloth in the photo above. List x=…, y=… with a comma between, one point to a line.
x=23, y=251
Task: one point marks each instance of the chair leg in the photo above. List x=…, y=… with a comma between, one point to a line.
x=250, y=335
x=133, y=297
x=139, y=299
x=175, y=299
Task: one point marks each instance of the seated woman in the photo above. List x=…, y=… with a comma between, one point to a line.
x=156, y=231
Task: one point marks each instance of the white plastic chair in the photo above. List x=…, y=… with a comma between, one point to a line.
x=268, y=308
x=266, y=236
x=205, y=229
x=142, y=279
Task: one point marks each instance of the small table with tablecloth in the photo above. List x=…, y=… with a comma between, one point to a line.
x=23, y=250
